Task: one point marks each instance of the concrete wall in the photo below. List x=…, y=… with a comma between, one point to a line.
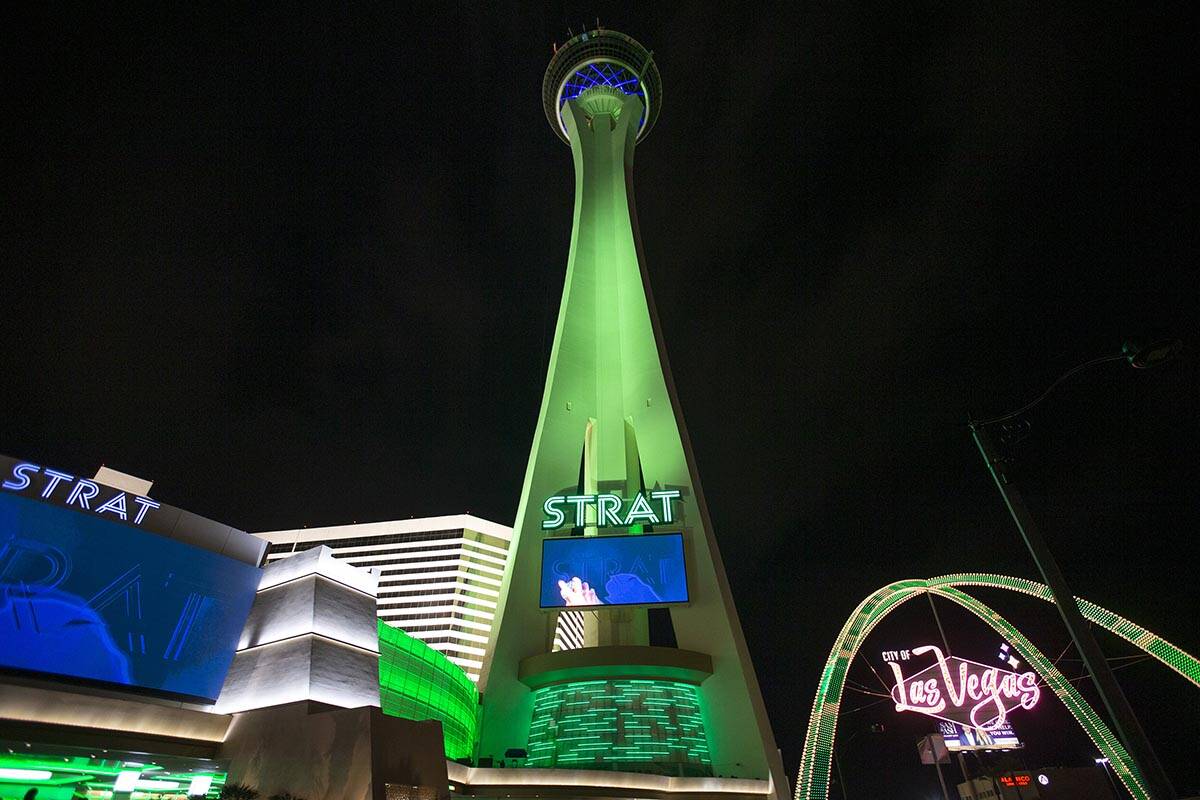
x=311, y=635
x=323, y=753
x=39, y=708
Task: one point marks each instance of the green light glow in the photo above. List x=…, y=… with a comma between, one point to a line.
x=95, y=775
x=816, y=759
x=418, y=682
x=620, y=724
x=610, y=425
x=1170, y=655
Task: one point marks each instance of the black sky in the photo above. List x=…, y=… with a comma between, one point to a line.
x=301, y=266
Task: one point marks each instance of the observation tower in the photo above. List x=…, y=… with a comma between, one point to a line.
x=612, y=526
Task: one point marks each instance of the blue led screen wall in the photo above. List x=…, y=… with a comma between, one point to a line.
x=646, y=569
x=86, y=597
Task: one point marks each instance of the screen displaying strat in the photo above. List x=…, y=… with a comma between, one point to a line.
x=613, y=570
x=90, y=598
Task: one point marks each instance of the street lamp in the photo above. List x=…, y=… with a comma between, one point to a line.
x=1140, y=356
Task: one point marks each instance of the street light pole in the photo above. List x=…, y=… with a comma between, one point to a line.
x=1127, y=726
x=1124, y=720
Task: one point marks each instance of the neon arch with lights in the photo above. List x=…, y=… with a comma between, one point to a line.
x=817, y=758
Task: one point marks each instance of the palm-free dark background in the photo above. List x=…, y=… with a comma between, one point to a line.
x=301, y=266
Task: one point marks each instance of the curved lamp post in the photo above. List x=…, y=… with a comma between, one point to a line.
x=1124, y=721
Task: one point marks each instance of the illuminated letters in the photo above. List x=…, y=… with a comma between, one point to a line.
x=55, y=477
x=116, y=505
x=84, y=492
x=640, y=511
x=607, y=506
x=580, y=501
x=554, y=515
x=608, y=509
x=146, y=504
x=962, y=691
x=666, y=496
x=22, y=479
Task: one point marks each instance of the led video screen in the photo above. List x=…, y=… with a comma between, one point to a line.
x=964, y=737
x=613, y=570
x=85, y=597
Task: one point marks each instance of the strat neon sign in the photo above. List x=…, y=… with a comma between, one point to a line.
x=610, y=510
x=957, y=690
x=70, y=491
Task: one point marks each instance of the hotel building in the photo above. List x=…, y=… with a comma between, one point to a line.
x=439, y=577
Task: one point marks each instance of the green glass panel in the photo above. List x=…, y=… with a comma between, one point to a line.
x=418, y=682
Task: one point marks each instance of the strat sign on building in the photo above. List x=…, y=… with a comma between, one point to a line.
x=109, y=586
x=62, y=488
x=957, y=690
x=610, y=510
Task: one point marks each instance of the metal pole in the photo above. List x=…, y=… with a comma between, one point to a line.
x=1111, y=782
x=941, y=778
x=1128, y=729
x=962, y=764
x=837, y=762
x=938, y=620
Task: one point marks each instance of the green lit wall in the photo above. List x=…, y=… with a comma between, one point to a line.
x=417, y=682
x=628, y=725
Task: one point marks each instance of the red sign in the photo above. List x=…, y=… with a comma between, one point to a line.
x=962, y=691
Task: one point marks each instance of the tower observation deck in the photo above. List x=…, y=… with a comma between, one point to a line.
x=606, y=60
x=576, y=681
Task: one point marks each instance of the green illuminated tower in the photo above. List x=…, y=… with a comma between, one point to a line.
x=610, y=422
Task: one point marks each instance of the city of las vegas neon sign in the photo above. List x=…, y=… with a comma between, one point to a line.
x=962, y=691
x=644, y=508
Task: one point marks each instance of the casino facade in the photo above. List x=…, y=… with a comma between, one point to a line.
x=147, y=652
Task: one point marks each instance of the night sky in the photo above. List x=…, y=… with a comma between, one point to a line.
x=301, y=267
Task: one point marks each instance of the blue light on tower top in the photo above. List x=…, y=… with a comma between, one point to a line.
x=603, y=74
x=601, y=58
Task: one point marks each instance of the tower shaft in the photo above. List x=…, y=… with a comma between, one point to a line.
x=610, y=423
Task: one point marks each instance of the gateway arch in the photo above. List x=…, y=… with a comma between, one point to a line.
x=817, y=758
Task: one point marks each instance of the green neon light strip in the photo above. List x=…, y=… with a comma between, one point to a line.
x=1084, y=714
x=817, y=756
x=98, y=773
x=654, y=726
x=418, y=682
x=1183, y=663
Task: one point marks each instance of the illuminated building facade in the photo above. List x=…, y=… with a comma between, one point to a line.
x=578, y=681
x=618, y=667
x=439, y=577
x=145, y=654
x=418, y=682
